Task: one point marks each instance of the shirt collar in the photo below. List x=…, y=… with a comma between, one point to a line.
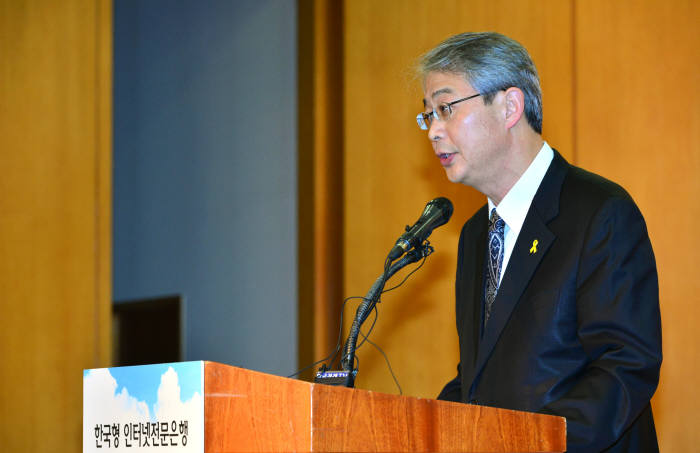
x=514, y=206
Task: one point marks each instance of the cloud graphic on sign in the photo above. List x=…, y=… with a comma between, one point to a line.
x=100, y=390
x=169, y=405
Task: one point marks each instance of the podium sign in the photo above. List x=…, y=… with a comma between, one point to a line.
x=144, y=408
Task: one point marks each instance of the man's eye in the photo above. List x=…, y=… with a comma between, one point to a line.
x=443, y=109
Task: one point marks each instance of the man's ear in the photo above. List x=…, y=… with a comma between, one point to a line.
x=515, y=106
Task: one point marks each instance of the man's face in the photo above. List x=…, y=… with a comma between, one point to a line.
x=469, y=144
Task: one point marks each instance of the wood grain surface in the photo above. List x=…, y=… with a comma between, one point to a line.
x=359, y=420
x=250, y=411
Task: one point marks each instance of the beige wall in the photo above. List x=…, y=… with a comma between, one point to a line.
x=620, y=83
x=55, y=216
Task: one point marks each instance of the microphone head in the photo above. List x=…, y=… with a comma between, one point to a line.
x=437, y=212
x=440, y=209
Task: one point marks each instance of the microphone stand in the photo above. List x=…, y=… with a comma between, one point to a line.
x=346, y=377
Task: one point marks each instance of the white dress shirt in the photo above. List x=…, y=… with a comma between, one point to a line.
x=514, y=206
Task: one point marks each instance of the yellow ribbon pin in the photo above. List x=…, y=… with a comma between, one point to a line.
x=533, y=249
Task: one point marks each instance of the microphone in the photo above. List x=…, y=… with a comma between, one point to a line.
x=436, y=213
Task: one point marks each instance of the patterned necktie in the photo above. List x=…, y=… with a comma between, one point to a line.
x=494, y=261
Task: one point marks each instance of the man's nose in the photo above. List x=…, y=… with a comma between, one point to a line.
x=436, y=129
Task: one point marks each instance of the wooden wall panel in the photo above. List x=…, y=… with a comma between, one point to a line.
x=390, y=171
x=55, y=222
x=638, y=90
x=320, y=178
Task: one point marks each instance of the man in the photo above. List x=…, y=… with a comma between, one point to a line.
x=556, y=292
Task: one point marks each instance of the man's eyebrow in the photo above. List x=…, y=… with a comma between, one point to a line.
x=445, y=90
x=436, y=93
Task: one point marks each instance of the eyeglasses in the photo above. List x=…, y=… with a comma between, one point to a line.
x=443, y=112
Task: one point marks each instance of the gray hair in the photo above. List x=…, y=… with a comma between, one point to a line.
x=490, y=62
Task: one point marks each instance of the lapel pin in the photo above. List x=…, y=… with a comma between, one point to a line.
x=533, y=249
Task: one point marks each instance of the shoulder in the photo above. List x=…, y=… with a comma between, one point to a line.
x=585, y=194
x=576, y=202
x=570, y=192
x=584, y=185
x=599, y=215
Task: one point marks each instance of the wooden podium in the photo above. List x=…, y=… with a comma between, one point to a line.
x=250, y=411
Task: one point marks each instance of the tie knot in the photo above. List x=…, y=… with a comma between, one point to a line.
x=496, y=222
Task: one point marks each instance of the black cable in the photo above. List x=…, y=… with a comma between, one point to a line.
x=387, y=363
x=386, y=358
x=376, y=315
x=363, y=312
x=338, y=344
x=376, y=310
x=334, y=353
x=407, y=276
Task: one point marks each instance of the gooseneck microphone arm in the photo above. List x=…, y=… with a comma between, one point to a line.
x=370, y=300
x=411, y=246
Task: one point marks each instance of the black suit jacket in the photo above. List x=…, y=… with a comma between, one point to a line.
x=575, y=328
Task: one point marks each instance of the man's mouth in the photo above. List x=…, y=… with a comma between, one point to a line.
x=445, y=158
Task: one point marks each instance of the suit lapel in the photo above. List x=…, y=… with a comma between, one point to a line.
x=473, y=256
x=523, y=265
x=525, y=259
